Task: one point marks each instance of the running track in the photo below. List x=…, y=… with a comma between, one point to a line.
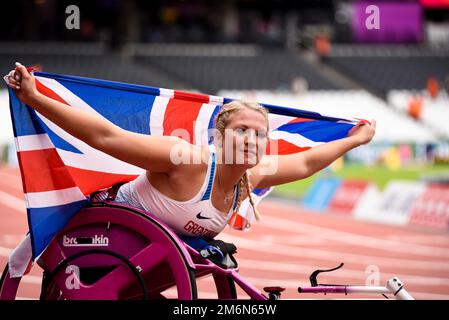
x=287, y=246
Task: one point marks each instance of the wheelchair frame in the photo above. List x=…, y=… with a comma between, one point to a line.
x=113, y=251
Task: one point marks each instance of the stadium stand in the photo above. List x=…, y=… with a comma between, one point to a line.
x=382, y=68
x=210, y=68
x=360, y=104
x=231, y=67
x=435, y=112
x=207, y=68
x=84, y=59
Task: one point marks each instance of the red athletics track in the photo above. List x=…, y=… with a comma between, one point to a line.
x=287, y=246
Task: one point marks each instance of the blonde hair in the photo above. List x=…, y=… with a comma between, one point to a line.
x=222, y=120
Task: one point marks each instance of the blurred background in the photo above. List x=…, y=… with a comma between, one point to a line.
x=383, y=60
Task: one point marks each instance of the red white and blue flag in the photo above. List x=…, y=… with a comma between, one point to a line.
x=59, y=171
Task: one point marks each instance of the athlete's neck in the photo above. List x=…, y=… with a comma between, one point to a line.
x=230, y=175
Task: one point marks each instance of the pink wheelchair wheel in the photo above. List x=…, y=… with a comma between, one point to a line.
x=111, y=251
x=155, y=255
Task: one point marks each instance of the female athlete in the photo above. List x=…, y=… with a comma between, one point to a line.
x=192, y=197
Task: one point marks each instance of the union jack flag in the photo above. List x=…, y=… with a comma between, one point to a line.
x=59, y=171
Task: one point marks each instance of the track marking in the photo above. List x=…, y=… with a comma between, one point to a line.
x=331, y=255
x=12, y=202
x=306, y=270
x=359, y=240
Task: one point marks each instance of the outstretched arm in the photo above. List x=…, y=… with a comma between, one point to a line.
x=148, y=152
x=301, y=165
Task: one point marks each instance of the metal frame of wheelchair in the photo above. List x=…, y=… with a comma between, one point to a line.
x=111, y=251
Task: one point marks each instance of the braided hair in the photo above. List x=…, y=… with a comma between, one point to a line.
x=222, y=120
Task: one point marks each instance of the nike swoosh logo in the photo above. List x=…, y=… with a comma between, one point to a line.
x=199, y=216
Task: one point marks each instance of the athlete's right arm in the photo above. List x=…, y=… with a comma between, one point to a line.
x=152, y=153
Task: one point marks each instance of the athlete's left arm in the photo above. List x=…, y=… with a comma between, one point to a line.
x=274, y=170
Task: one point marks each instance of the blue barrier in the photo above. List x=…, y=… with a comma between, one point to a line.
x=320, y=193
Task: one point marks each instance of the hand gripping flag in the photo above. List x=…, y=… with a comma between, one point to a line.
x=59, y=171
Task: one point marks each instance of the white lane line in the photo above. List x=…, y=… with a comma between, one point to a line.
x=16, y=188
x=5, y=252
x=332, y=255
x=316, y=231
x=296, y=240
x=11, y=240
x=429, y=296
x=260, y=282
x=15, y=203
x=10, y=176
x=354, y=239
x=311, y=240
x=32, y=279
x=431, y=239
x=294, y=284
x=306, y=270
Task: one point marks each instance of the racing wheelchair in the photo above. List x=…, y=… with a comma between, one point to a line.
x=112, y=251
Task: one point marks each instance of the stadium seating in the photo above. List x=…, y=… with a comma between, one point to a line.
x=392, y=126
x=382, y=68
x=89, y=60
x=210, y=68
x=435, y=112
x=207, y=68
x=237, y=69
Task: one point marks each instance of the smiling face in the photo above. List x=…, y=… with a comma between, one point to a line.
x=244, y=137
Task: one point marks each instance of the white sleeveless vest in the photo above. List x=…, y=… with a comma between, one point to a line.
x=194, y=217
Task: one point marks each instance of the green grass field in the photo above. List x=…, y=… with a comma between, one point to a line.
x=378, y=174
